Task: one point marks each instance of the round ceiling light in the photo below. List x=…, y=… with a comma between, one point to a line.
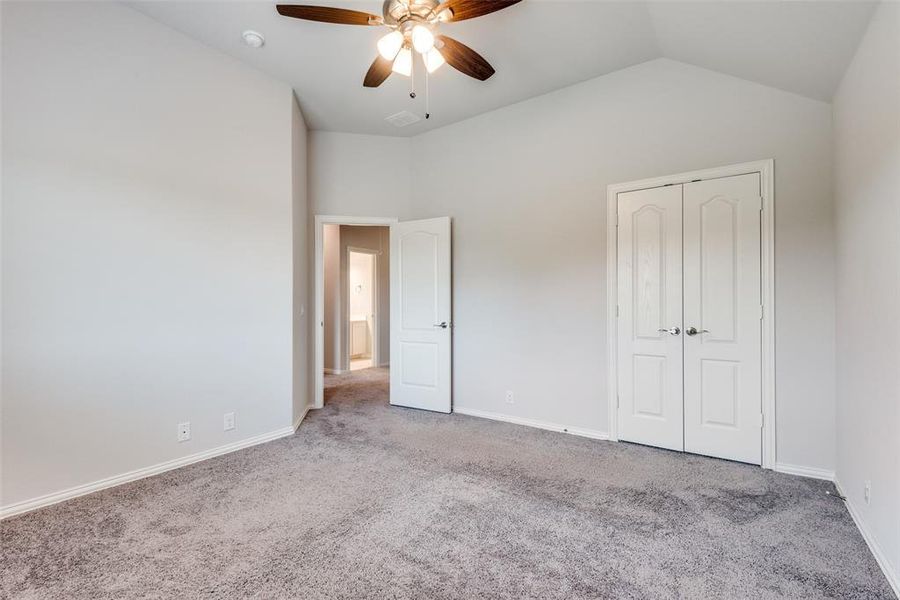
x=253, y=39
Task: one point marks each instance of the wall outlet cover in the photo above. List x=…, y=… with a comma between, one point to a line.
x=228, y=421
x=184, y=431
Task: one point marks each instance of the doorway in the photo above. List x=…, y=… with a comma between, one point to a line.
x=692, y=329
x=355, y=301
x=409, y=337
x=363, y=312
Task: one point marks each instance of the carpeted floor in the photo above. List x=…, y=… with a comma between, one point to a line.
x=369, y=501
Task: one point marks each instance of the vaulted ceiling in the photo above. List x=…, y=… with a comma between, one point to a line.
x=536, y=46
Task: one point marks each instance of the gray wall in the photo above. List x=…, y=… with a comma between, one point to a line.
x=867, y=194
x=358, y=175
x=530, y=235
x=526, y=188
x=148, y=200
x=302, y=316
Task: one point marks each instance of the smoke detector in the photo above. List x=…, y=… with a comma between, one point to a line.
x=254, y=39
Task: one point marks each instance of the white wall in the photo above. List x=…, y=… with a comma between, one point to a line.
x=867, y=198
x=361, y=275
x=147, y=252
x=526, y=187
x=358, y=175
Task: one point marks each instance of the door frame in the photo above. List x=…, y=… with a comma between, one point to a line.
x=766, y=170
x=376, y=305
x=319, y=222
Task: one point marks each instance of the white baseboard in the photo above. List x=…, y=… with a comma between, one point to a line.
x=302, y=416
x=588, y=433
x=892, y=575
x=89, y=488
x=813, y=472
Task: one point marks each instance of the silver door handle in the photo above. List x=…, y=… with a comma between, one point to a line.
x=695, y=331
x=442, y=325
x=673, y=331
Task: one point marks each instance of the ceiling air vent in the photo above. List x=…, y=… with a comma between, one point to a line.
x=402, y=119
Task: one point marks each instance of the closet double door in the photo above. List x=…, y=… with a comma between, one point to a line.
x=689, y=317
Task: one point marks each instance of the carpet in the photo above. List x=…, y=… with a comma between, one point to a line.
x=373, y=501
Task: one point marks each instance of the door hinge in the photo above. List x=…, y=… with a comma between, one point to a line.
x=762, y=312
x=762, y=420
x=617, y=310
x=760, y=204
x=617, y=219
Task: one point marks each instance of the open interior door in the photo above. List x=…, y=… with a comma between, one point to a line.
x=420, y=314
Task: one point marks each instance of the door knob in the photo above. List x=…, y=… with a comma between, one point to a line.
x=673, y=331
x=695, y=331
x=442, y=325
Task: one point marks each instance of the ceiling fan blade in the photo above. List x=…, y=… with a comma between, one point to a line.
x=378, y=72
x=469, y=9
x=325, y=14
x=464, y=59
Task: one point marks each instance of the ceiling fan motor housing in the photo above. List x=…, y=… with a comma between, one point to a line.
x=398, y=12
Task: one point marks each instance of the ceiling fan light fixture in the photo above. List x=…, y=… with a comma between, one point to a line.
x=422, y=39
x=433, y=60
x=390, y=45
x=412, y=25
x=403, y=62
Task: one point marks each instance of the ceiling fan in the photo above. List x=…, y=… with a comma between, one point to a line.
x=414, y=25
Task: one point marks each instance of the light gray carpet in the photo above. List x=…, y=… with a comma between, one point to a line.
x=368, y=501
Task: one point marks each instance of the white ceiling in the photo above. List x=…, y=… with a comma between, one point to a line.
x=536, y=46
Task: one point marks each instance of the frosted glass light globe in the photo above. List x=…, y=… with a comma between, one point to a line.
x=422, y=39
x=389, y=45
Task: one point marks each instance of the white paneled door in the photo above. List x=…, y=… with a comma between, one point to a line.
x=689, y=309
x=722, y=312
x=420, y=314
x=650, y=320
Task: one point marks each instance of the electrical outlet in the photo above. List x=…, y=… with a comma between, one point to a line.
x=867, y=491
x=228, y=421
x=184, y=431
x=509, y=397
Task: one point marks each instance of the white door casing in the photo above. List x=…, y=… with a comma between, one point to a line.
x=420, y=314
x=722, y=301
x=650, y=317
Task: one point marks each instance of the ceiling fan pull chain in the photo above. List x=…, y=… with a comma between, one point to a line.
x=412, y=80
x=427, y=97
